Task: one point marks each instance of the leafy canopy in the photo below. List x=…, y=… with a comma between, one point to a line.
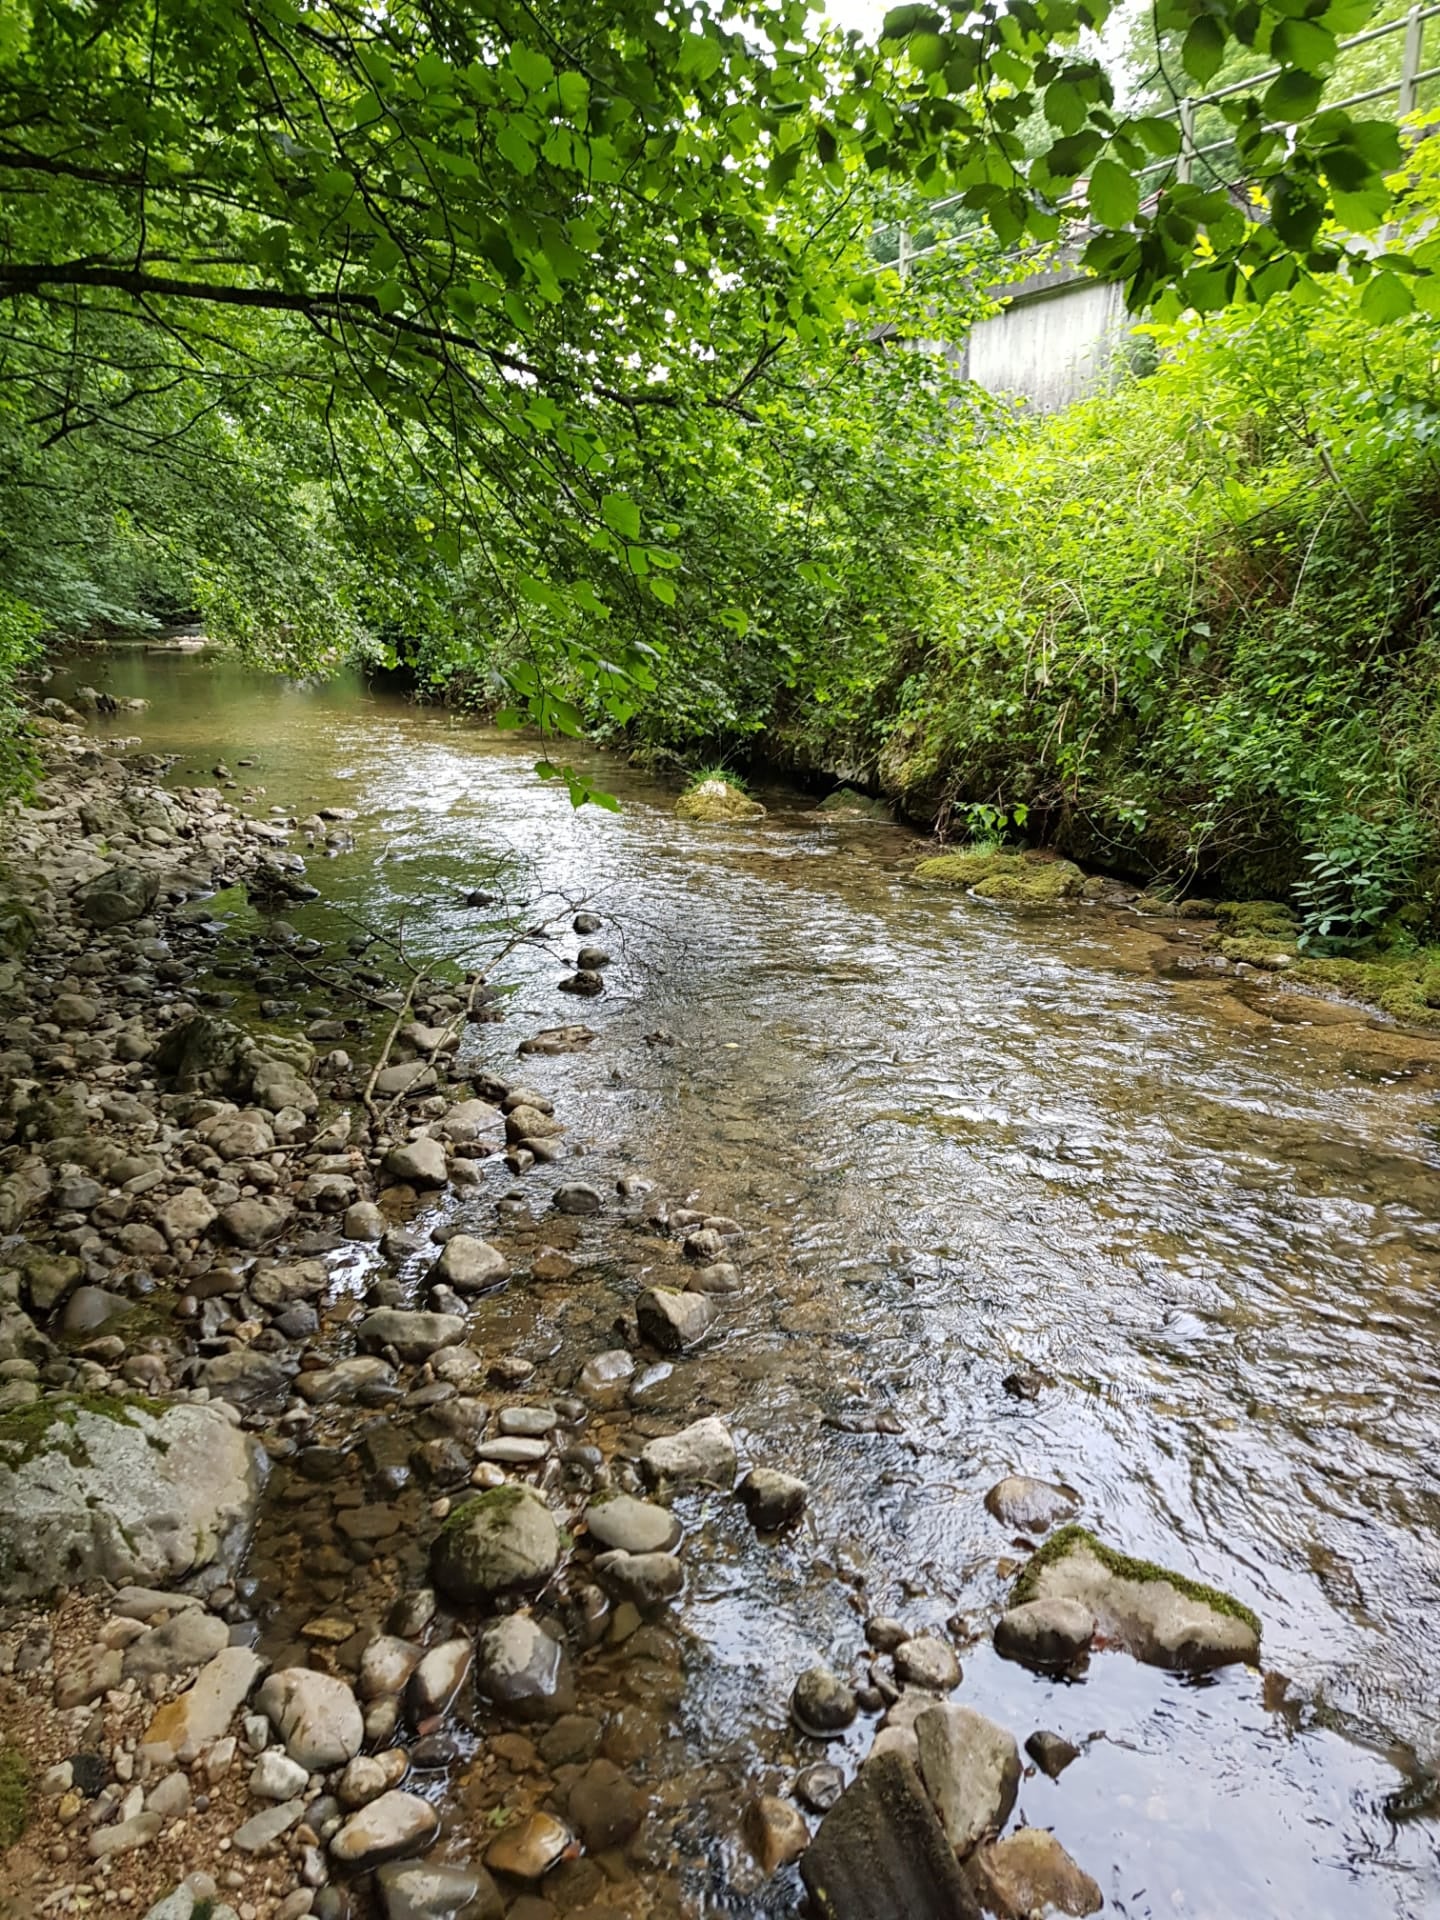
x=489, y=275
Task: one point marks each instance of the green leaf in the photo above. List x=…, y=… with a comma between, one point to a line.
x=533, y=68
x=511, y=141
x=621, y=515
x=574, y=94
x=1065, y=107
x=1203, y=49
x=1113, y=194
x=1294, y=96
x=663, y=588
x=1162, y=137
x=927, y=50
x=1386, y=297
x=1304, y=44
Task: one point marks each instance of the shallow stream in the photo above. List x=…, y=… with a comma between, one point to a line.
x=961, y=1141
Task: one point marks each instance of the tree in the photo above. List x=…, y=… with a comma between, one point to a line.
x=498, y=264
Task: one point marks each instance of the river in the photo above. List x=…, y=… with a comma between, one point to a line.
x=961, y=1141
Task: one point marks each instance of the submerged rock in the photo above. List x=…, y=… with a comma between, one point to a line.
x=1031, y=1873
x=413, y=1890
x=1030, y=1506
x=775, y=1831
x=395, y=1824
x=822, y=1704
x=1162, y=1618
x=717, y=799
x=120, y=1490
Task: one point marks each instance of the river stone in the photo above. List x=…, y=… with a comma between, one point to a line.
x=1030, y=1506
x=363, y=1221
x=880, y=1852
x=1029, y=1873
x=498, y=1542
x=316, y=1716
x=414, y=1336
x=250, y=1223
x=772, y=1499
x=50, y=1276
x=819, y=1787
x=577, y=1197
x=90, y=1308
x=531, y=1123
x=1161, y=1618
x=187, y=1639
x=775, y=1831
x=603, y=1376
x=1051, y=1752
x=1045, y=1633
x=632, y=1526
x=467, y=1120
x=113, y=1490
x=438, y=1678
x=410, y=1078
x=523, y=1670
x=186, y=1725
x=422, y=1890
x=386, y=1664
x=702, y=1454
x=822, y=1704
x=927, y=1661
x=971, y=1770
x=468, y=1264
x=186, y=1215
x=645, y=1579
x=328, y=1386
x=116, y=897
x=138, y=1831
x=390, y=1827
x=529, y=1850
x=262, y=1830
x=275, y=1776
x=673, y=1321
x=244, y=1376
x=421, y=1163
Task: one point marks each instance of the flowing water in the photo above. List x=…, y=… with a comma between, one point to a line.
x=961, y=1141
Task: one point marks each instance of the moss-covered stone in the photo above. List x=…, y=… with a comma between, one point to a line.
x=51, y=1425
x=848, y=803
x=1261, y=950
x=1257, y=916
x=717, y=799
x=1164, y=1618
x=1012, y=879
x=14, y=1795
x=499, y=1542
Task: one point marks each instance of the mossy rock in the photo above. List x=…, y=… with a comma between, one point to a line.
x=1257, y=950
x=717, y=799
x=1162, y=1618
x=1257, y=916
x=504, y=1541
x=1401, y=987
x=1011, y=879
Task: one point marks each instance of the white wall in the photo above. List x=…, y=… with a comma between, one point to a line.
x=1051, y=345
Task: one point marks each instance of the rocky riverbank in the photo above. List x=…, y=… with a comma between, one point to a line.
x=319, y=1599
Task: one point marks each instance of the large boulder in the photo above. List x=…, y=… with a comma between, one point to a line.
x=1162, y=1618
x=880, y=1852
x=122, y=1490
x=503, y=1541
x=116, y=897
x=971, y=1770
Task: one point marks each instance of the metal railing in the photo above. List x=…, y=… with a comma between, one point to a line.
x=1406, y=87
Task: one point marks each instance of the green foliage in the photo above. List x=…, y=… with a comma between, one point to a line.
x=14, y=1795
x=1189, y=623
